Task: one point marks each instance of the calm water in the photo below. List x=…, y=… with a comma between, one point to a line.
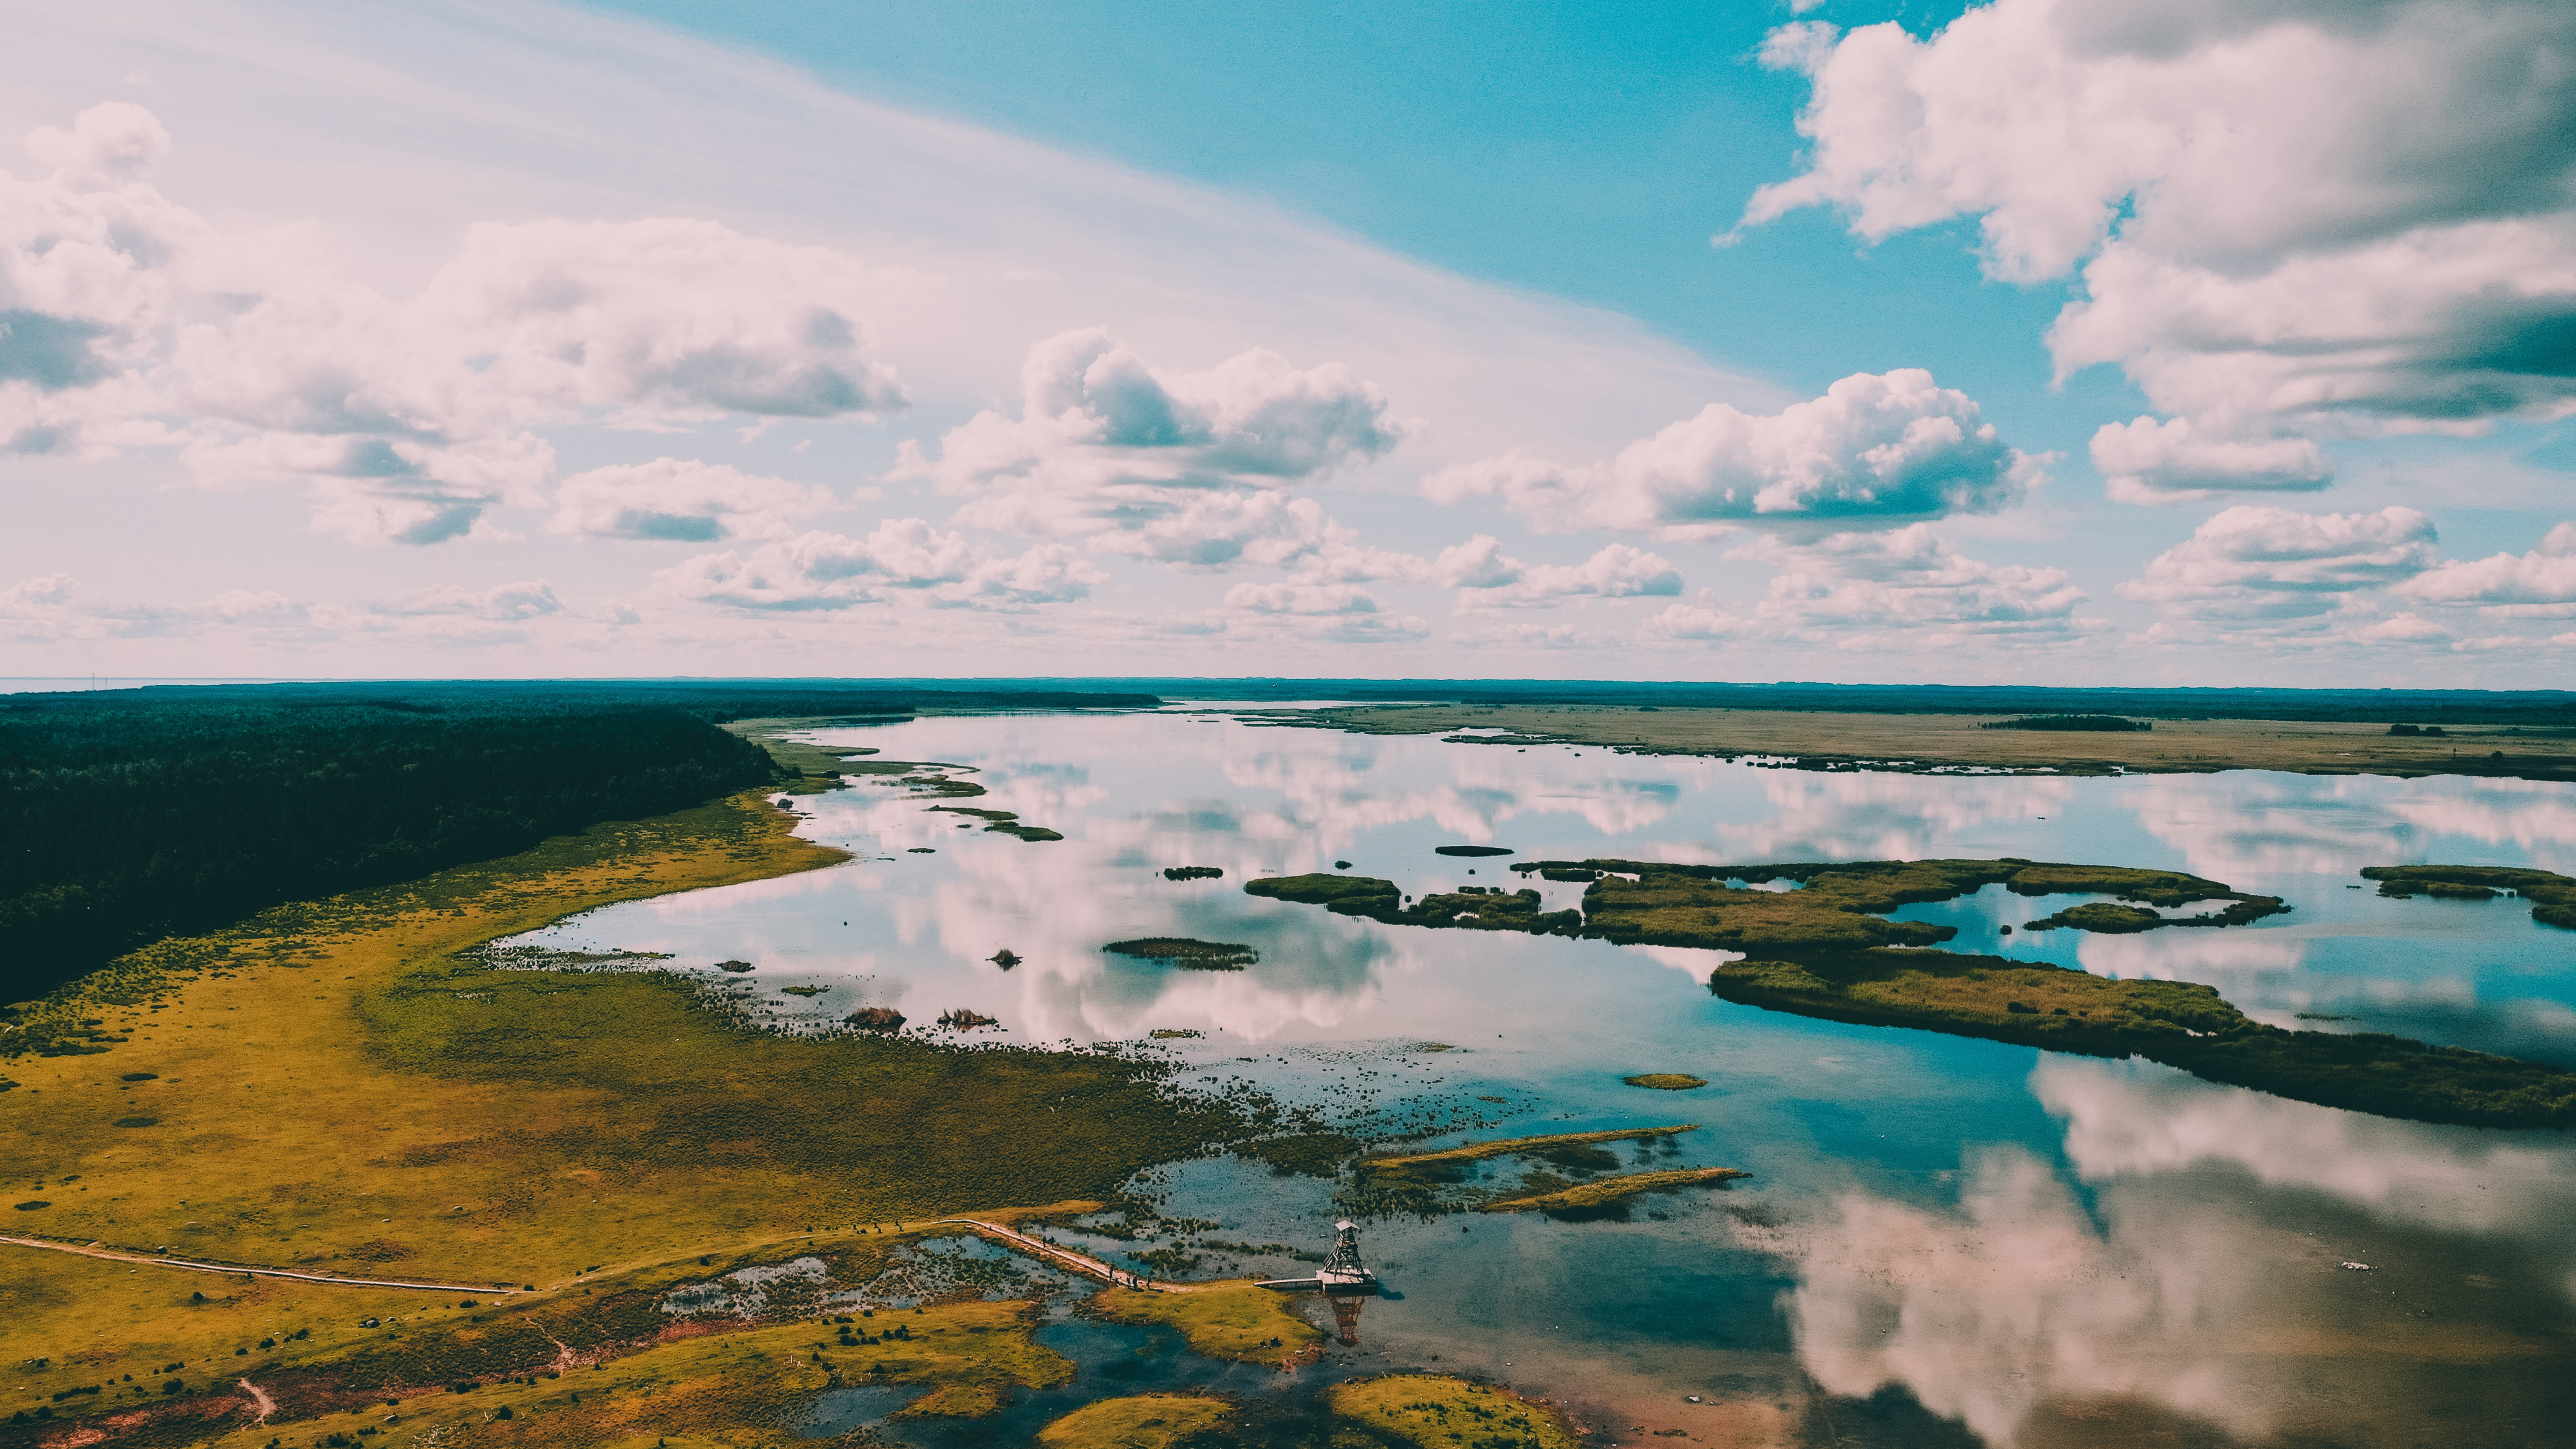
x=1943, y=1240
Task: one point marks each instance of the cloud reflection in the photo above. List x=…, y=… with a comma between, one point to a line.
x=2203, y=1279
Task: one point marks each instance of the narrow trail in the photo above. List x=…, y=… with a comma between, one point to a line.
x=1079, y=1262
x=259, y=1396
x=93, y=1250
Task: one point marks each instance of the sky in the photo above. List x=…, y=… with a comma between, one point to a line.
x=2129, y=342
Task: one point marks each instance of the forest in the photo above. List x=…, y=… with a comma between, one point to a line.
x=128, y=815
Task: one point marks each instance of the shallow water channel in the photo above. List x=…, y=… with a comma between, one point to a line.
x=1942, y=1241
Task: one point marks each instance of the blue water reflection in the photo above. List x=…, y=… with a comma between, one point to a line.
x=2022, y=1242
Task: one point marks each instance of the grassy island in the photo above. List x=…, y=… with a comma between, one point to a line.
x=1189, y=954
x=2552, y=896
x=1609, y=1191
x=1829, y=949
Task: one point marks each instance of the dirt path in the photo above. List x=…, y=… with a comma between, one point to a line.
x=1079, y=1262
x=93, y=1250
x=259, y=1396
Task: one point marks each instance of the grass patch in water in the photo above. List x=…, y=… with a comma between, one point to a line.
x=1187, y=953
x=2552, y=896
x=1418, y=1162
x=1666, y=1081
x=1236, y=1321
x=1144, y=1421
x=1606, y=1191
x=1430, y=1411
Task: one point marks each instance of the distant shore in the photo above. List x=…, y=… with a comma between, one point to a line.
x=1945, y=743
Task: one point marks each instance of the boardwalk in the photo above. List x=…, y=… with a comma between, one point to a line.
x=1079, y=1262
x=93, y=1250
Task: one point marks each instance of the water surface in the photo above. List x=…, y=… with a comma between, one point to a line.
x=1941, y=1236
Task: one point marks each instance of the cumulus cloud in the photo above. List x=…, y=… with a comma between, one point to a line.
x=1182, y=467
x=2150, y=461
x=1302, y=599
x=2297, y=214
x=527, y=599
x=1486, y=576
x=2271, y=564
x=52, y=609
x=904, y=560
x=126, y=321
x=2541, y=581
x=1869, y=590
x=683, y=500
x=1877, y=448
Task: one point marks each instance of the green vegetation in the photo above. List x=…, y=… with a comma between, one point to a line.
x=1470, y=850
x=1418, y=1163
x=2407, y=729
x=1144, y=1421
x=2073, y=723
x=1478, y=908
x=1426, y=1184
x=1666, y=1081
x=352, y=1085
x=182, y=814
x=1003, y=821
x=1237, y=1320
x=1604, y=1192
x=1183, y=952
x=1307, y=1154
x=1843, y=907
x=1193, y=872
x=2178, y=1023
x=182, y=808
x=1346, y=895
x=1432, y=1412
x=2552, y=896
x=1828, y=949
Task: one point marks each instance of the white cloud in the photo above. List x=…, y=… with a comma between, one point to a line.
x=2147, y=461
x=682, y=499
x=1876, y=448
x=1696, y=622
x=1486, y=576
x=1909, y=587
x=126, y=321
x=2299, y=214
x=2273, y=564
x=1301, y=599
x=904, y=560
x=1180, y=467
x=2546, y=576
x=527, y=599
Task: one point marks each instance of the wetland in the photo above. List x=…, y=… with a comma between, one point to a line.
x=706, y=1203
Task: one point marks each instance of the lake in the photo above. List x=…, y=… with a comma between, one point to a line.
x=1941, y=1240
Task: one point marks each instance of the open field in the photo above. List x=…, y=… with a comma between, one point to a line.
x=1917, y=742
x=334, y=1088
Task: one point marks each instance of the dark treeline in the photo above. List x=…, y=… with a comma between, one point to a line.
x=128, y=815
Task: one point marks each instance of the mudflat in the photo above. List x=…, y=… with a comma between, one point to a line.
x=1947, y=742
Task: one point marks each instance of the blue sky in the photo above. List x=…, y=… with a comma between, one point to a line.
x=2123, y=343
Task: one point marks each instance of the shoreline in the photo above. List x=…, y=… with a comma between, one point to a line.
x=1955, y=744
